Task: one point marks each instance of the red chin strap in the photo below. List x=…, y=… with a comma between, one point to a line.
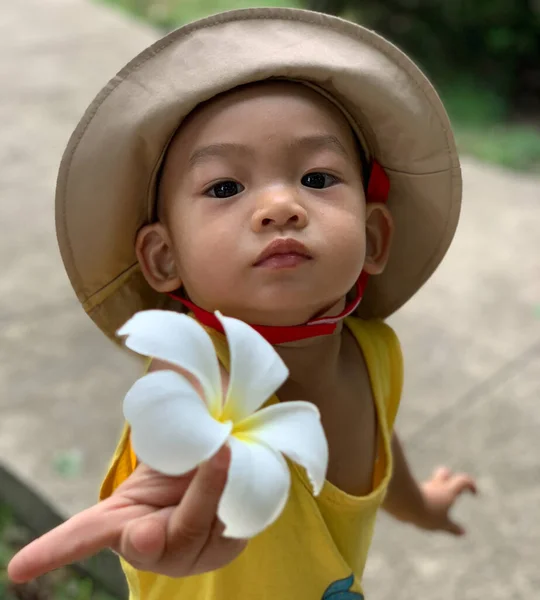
x=378, y=188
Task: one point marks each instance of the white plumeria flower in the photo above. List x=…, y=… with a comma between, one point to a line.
x=173, y=430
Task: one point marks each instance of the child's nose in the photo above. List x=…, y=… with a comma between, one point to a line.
x=279, y=210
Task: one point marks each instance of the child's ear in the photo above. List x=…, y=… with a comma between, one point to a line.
x=156, y=258
x=379, y=233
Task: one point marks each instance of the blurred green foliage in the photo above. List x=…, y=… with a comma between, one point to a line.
x=484, y=58
x=169, y=14
x=512, y=146
x=491, y=45
x=62, y=584
x=482, y=55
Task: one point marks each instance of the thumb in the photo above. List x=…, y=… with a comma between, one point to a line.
x=442, y=474
x=182, y=528
x=192, y=520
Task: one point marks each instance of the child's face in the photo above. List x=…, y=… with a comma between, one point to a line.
x=265, y=162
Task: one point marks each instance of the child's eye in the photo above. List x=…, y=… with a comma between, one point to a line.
x=319, y=180
x=225, y=189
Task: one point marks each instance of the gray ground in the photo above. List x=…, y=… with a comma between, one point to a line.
x=471, y=337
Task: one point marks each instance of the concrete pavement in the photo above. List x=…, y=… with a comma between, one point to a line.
x=471, y=337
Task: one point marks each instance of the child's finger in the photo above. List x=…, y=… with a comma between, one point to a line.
x=78, y=538
x=455, y=528
x=192, y=521
x=144, y=541
x=462, y=483
x=146, y=486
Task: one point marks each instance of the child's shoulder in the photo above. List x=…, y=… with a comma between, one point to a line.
x=382, y=355
x=373, y=334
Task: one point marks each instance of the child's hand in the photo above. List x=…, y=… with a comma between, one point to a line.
x=440, y=493
x=167, y=525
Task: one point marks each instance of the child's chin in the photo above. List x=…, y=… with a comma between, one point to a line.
x=283, y=314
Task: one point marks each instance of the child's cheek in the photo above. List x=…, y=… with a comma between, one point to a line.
x=348, y=252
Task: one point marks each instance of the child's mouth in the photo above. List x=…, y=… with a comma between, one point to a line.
x=283, y=253
x=283, y=261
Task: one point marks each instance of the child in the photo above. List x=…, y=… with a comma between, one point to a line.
x=237, y=165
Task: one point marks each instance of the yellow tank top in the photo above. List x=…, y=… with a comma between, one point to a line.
x=317, y=549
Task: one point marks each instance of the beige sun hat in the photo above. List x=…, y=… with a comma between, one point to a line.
x=107, y=179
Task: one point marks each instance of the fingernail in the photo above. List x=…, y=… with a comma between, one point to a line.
x=220, y=460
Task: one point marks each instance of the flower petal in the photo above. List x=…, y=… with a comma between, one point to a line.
x=171, y=428
x=256, y=491
x=295, y=429
x=256, y=372
x=180, y=340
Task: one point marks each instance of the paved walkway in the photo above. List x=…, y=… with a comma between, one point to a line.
x=471, y=337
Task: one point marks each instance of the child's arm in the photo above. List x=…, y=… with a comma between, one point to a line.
x=427, y=505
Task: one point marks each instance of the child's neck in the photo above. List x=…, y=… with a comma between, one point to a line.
x=321, y=325
x=314, y=358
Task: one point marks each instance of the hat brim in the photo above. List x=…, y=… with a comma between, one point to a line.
x=106, y=183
